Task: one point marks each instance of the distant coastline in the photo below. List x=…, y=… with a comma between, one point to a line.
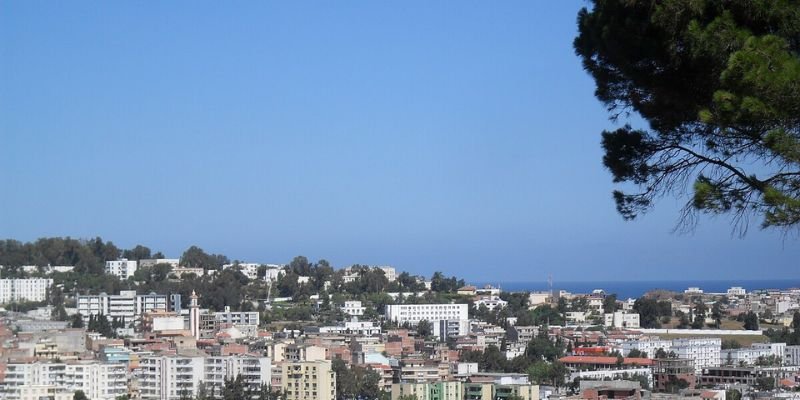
x=634, y=289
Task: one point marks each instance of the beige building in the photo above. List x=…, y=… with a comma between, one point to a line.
x=38, y=392
x=312, y=380
x=443, y=390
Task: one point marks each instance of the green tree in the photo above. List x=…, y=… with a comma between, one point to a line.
x=751, y=321
x=733, y=394
x=717, y=83
x=610, y=303
x=79, y=395
x=424, y=328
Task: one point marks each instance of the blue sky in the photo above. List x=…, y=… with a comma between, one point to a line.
x=461, y=137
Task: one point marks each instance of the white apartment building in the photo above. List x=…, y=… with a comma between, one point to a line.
x=736, y=291
x=649, y=346
x=99, y=381
x=413, y=313
x=32, y=289
x=353, y=308
x=355, y=327
x=791, y=355
x=171, y=377
x=389, y=272
x=237, y=317
x=491, y=302
x=126, y=306
x=122, y=268
x=620, y=319
x=704, y=351
x=743, y=356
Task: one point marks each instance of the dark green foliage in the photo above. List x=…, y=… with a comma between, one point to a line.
x=610, y=303
x=439, y=283
x=195, y=257
x=650, y=311
x=355, y=382
x=731, y=344
x=717, y=83
x=424, y=328
x=79, y=395
x=635, y=353
x=751, y=321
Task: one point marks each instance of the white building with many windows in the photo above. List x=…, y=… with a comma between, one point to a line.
x=649, y=346
x=353, y=308
x=413, y=313
x=126, y=306
x=122, y=268
x=175, y=377
x=704, y=351
x=98, y=380
x=620, y=319
x=32, y=289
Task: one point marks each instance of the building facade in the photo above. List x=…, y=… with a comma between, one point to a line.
x=312, y=380
x=32, y=289
x=122, y=268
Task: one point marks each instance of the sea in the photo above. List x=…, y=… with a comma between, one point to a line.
x=635, y=289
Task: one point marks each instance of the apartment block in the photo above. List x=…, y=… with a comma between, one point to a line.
x=122, y=268
x=176, y=376
x=32, y=289
x=445, y=390
x=704, y=351
x=313, y=380
x=413, y=313
x=99, y=381
x=353, y=308
x=126, y=306
x=621, y=319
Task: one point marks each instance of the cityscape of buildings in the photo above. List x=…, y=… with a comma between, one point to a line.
x=440, y=339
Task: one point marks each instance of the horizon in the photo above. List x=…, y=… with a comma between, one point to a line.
x=468, y=145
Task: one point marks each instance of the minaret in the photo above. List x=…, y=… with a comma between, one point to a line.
x=194, y=316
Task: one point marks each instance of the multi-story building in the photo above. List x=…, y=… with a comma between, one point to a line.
x=32, y=289
x=791, y=355
x=98, y=380
x=122, y=268
x=736, y=291
x=229, y=317
x=177, y=376
x=619, y=319
x=353, y=308
x=413, y=313
x=649, y=346
x=704, y=351
x=442, y=390
x=127, y=306
x=150, y=262
x=355, y=327
x=313, y=380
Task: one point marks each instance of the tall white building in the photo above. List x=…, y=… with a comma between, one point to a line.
x=704, y=351
x=620, y=319
x=32, y=289
x=126, y=306
x=171, y=377
x=353, y=308
x=122, y=268
x=649, y=346
x=100, y=381
x=413, y=313
x=736, y=291
x=791, y=355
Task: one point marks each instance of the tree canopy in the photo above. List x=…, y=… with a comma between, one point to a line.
x=717, y=82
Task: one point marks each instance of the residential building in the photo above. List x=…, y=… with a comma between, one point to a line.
x=313, y=380
x=122, y=268
x=668, y=371
x=353, y=308
x=237, y=317
x=620, y=319
x=172, y=377
x=791, y=355
x=413, y=313
x=98, y=380
x=31, y=289
x=704, y=351
x=648, y=346
x=127, y=306
x=442, y=390
x=150, y=262
x=354, y=327
x=490, y=302
x=523, y=334
x=538, y=298
x=250, y=270
x=736, y=291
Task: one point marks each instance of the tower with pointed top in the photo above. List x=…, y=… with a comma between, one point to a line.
x=194, y=316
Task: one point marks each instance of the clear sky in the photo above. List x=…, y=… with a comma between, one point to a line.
x=452, y=136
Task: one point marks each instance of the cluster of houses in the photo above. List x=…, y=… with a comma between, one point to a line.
x=162, y=350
